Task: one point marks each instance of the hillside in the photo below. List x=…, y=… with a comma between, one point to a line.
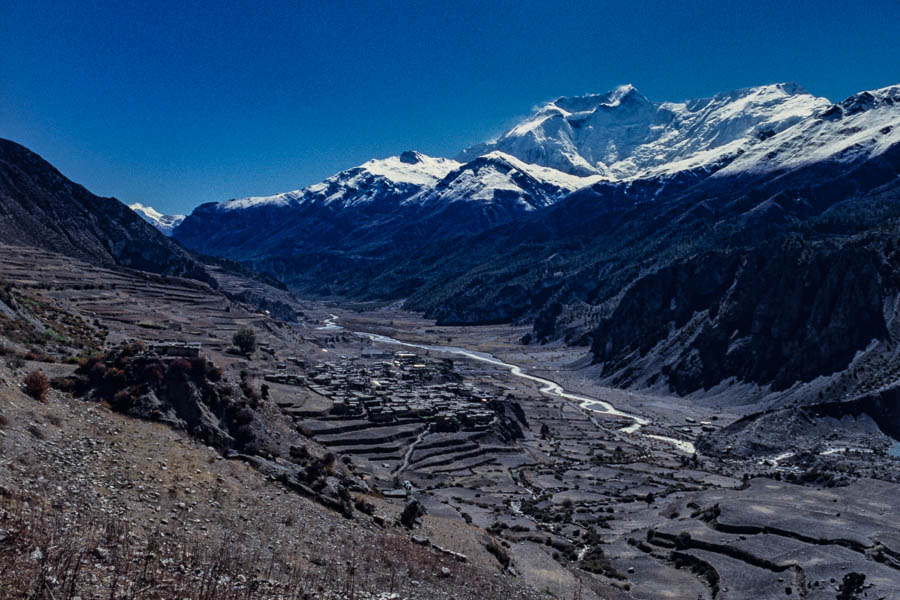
x=40, y=207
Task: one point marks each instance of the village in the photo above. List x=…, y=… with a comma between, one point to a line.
x=398, y=387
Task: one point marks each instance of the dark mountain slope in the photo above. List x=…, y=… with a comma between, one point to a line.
x=361, y=214
x=787, y=311
x=42, y=208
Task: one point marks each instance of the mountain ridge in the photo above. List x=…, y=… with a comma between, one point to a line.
x=40, y=207
x=493, y=241
x=622, y=135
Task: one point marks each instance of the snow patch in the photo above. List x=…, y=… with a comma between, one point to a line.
x=164, y=223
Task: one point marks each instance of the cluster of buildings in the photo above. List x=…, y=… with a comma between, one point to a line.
x=402, y=386
x=178, y=349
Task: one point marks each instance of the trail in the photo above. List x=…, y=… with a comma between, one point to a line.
x=410, y=450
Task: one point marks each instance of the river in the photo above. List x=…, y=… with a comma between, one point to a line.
x=547, y=386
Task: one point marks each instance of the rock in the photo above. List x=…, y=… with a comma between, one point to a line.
x=37, y=555
x=411, y=513
x=421, y=540
x=445, y=572
x=101, y=553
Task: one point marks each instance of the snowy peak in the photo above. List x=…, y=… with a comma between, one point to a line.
x=886, y=97
x=552, y=176
x=624, y=95
x=402, y=176
x=497, y=177
x=411, y=157
x=164, y=223
x=411, y=167
x=617, y=136
x=863, y=126
x=622, y=135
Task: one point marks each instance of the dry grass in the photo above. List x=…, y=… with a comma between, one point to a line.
x=49, y=555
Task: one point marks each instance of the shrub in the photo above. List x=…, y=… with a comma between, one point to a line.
x=411, y=513
x=213, y=373
x=152, y=372
x=36, y=385
x=114, y=379
x=328, y=460
x=82, y=385
x=180, y=366
x=245, y=340
x=198, y=366
x=132, y=349
x=364, y=506
x=63, y=384
x=244, y=416
x=96, y=371
x=250, y=392
x=123, y=400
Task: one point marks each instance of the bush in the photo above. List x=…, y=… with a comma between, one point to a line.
x=198, y=366
x=245, y=340
x=213, y=373
x=152, y=372
x=36, y=385
x=244, y=415
x=96, y=372
x=114, y=379
x=63, y=384
x=180, y=366
x=123, y=400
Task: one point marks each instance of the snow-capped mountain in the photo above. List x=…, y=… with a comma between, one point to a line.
x=577, y=167
x=567, y=144
x=499, y=177
x=397, y=200
x=164, y=223
x=864, y=125
x=396, y=176
x=623, y=135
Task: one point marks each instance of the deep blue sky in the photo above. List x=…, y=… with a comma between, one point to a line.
x=172, y=106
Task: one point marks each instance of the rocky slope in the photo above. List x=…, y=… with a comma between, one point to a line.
x=94, y=503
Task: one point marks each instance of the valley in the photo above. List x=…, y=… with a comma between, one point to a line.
x=426, y=301
x=628, y=350
x=517, y=465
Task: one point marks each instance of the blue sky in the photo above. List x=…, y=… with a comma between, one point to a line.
x=174, y=105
